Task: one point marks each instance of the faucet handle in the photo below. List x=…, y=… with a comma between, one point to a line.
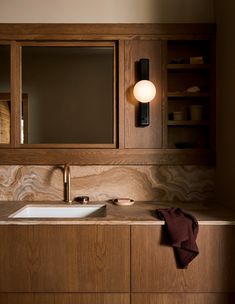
x=82, y=199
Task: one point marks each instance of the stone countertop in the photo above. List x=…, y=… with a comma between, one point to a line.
x=141, y=213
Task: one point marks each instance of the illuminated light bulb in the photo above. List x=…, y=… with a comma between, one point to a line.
x=144, y=91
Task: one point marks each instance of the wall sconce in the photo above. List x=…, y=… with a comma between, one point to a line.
x=144, y=91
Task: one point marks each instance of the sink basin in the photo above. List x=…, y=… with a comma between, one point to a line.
x=60, y=211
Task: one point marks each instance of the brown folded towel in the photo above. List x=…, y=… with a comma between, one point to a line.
x=182, y=229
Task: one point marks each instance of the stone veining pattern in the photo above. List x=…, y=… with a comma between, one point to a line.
x=102, y=183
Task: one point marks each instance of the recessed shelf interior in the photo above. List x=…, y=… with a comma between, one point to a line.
x=185, y=132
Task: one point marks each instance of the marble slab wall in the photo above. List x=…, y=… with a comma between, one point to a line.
x=142, y=183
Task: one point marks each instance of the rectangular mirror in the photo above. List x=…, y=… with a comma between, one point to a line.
x=69, y=93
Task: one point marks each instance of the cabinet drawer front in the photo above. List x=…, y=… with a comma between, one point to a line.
x=183, y=298
x=154, y=267
x=86, y=258
x=46, y=298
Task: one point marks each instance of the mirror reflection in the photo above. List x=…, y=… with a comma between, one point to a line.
x=5, y=105
x=68, y=94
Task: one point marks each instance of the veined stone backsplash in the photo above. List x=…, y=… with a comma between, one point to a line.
x=101, y=183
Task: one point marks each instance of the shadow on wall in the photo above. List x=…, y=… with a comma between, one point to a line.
x=225, y=165
x=182, y=11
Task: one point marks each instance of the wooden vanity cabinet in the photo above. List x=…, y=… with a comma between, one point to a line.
x=64, y=298
x=65, y=259
x=183, y=298
x=104, y=264
x=208, y=279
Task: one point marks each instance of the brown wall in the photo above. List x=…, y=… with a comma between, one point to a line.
x=225, y=175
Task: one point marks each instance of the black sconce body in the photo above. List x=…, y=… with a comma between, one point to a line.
x=143, y=115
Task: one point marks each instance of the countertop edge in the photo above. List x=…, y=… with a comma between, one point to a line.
x=141, y=213
x=108, y=222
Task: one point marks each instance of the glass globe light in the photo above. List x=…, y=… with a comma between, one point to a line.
x=144, y=91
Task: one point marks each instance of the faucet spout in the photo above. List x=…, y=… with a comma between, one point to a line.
x=67, y=177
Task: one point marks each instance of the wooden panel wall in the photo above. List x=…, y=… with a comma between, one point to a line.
x=151, y=136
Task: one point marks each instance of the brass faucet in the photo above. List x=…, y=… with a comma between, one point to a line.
x=67, y=177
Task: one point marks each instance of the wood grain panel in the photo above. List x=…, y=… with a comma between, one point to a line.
x=47, y=298
x=154, y=268
x=151, y=136
x=164, y=97
x=121, y=93
x=24, y=156
x=143, y=36
x=15, y=93
x=183, y=298
x=100, y=31
x=64, y=259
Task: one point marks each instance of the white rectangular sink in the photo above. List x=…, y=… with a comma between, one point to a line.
x=60, y=211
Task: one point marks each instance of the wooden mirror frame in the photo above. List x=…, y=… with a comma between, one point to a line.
x=16, y=154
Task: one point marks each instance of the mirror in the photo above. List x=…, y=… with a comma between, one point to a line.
x=4, y=94
x=69, y=93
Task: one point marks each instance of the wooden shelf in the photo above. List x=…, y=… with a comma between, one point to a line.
x=188, y=66
x=188, y=123
x=189, y=134
x=188, y=95
x=154, y=145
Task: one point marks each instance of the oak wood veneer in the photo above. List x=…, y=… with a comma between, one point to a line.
x=183, y=298
x=40, y=156
x=51, y=264
x=64, y=298
x=148, y=40
x=15, y=93
x=81, y=31
x=154, y=267
x=64, y=258
x=137, y=137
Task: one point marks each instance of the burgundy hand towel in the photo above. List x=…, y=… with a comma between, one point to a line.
x=182, y=229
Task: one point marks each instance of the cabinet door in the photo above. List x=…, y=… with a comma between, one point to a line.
x=154, y=267
x=183, y=298
x=50, y=298
x=76, y=258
